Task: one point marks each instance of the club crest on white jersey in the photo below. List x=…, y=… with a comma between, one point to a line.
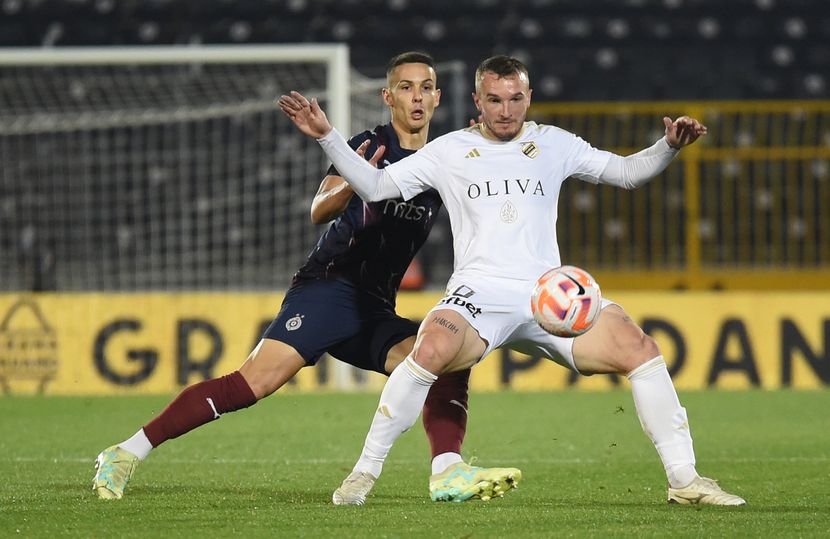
x=530, y=149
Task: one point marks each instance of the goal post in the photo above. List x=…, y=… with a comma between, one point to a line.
x=163, y=168
x=334, y=56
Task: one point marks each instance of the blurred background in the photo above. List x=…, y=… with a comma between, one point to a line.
x=128, y=165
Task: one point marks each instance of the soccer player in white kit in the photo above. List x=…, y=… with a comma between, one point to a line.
x=500, y=182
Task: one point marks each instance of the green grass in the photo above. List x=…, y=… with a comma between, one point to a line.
x=270, y=470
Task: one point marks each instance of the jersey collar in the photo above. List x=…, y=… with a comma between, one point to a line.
x=488, y=136
x=393, y=143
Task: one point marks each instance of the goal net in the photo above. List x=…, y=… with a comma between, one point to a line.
x=164, y=168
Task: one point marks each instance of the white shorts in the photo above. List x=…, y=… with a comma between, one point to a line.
x=499, y=309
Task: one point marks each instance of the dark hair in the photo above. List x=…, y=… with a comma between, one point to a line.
x=501, y=65
x=410, y=57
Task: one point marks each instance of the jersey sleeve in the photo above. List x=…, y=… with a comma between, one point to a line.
x=354, y=143
x=586, y=162
x=417, y=172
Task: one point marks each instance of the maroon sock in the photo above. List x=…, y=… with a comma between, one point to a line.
x=200, y=404
x=445, y=412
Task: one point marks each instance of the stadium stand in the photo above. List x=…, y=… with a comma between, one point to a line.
x=683, y=49
x=634, y=51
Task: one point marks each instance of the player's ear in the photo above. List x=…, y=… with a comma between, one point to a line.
x=477, y=101
x=437, y=96
x=387, y=97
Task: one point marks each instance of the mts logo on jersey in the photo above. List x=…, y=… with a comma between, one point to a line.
x=460, y=296
x=404, y=210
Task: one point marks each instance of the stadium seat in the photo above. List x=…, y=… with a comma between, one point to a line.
x=745, y=47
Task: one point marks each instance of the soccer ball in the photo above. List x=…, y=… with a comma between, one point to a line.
x=566, y=301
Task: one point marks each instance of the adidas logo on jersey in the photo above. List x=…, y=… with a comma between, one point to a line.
x=473, y=153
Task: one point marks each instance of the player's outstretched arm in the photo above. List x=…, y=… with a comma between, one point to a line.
x=370, y=183
x=635, y=170
x=335, y=193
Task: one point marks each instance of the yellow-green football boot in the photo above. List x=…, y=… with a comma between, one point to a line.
x=114, y=467
x=461, y=482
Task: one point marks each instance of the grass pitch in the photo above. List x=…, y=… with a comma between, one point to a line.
x=270, y=470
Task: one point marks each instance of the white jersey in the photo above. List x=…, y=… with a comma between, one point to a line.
x=501, y=196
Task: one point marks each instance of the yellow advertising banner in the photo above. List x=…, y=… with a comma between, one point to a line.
x=107, y=344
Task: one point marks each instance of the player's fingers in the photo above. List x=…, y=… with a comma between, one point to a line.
x=667, y=122
x=361, y=150
x=284, y=101
x=288, y=100
x=286, y=107
x=695, y=126
x=300, y=98
x=315, y=106
x=377, y=155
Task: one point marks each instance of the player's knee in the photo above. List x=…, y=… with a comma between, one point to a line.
x=269, y=366
x=261, y=385
x=433, y=355
x=637, y=351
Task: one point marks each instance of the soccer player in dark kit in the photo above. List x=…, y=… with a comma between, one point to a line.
x=342, y=301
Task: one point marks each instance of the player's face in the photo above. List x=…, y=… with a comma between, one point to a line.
x=412, y=96
x=503, y=103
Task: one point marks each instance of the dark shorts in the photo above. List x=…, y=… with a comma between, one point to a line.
x=335, y=317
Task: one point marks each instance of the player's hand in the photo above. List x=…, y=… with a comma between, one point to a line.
x=683, y=131
x=306, y=115
x=361, y=151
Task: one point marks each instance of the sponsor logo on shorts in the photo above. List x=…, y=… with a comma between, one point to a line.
x=463, y=291
x=460, y=296
x=294, y=322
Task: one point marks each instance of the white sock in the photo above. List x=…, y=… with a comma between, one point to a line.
x=401, y=402
x=444, y=461
x=664, y=420
x=138, y=445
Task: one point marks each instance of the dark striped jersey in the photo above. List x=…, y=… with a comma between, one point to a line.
x=371, y=244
